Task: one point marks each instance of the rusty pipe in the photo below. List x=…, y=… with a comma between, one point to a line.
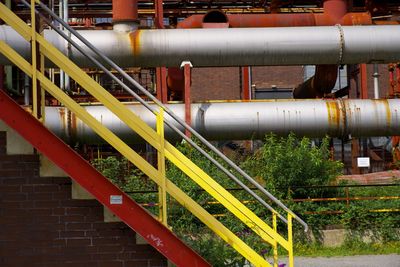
x=229, y=47
x=247, y=120
x=334, y=13
x=124, y=15
x=320, y=85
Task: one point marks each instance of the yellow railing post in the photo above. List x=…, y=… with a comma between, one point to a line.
x=162, y=192
x=290, y=240
x=275, y=245
x=34, y=60
x=42, y=92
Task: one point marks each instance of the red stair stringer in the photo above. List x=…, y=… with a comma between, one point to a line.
x=137, y=218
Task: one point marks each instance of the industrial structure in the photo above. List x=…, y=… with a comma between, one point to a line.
x=136, y=76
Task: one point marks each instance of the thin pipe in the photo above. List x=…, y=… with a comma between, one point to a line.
x=376, y=81
x=27, y=88
x=180, y=121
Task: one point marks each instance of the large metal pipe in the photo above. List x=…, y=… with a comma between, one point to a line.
x=233, y=47
x=246, y=120
x=335, y=12
x=325, y=76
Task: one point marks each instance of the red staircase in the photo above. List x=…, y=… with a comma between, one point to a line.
x=155, y=233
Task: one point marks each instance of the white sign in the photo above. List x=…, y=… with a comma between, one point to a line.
x=116, y=199
x=363, y=162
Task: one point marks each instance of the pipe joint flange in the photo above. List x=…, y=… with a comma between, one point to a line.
x=341, y=43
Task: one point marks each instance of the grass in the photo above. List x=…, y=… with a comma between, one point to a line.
x=348, y=249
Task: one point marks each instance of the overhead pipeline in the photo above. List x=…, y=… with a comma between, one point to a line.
x=232, y=47
x=246, y=120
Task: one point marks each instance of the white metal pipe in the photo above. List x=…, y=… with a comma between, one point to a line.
x=233, y=47
x=376, y=81
x=246, y=120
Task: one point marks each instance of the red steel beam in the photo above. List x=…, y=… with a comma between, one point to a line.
x=137, y=218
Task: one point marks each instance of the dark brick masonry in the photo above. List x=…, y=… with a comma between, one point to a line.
x=40, y=225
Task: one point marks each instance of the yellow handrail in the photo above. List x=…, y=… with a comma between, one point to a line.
x=154, y=138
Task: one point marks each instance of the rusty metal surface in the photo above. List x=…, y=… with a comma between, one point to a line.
x=124, y=10
x=320, y=84
x=246, y=120
x=233, y=47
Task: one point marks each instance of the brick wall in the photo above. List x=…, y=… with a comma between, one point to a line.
x=40, y=225
x=280, y=76
x=224, y=83
x=215, y=84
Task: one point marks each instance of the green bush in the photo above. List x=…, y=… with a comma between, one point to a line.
x=281, y=165
x=284, y=162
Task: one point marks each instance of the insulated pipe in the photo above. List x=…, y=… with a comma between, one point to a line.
x=231, y=47
x=246, y=120
x=376, y=81
x=325, y=76
x=335, y=12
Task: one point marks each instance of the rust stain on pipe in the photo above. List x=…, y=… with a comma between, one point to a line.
x=334, y=114
x=64, y=127
x=73, y=131
x=385, y=103
x=135, y=42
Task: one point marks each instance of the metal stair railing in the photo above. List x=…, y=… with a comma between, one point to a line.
x=136, y=159
x=271, y=235
x=171, y=113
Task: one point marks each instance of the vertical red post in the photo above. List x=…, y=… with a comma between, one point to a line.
x=159, y=14
x=186, y=65
x=392, y=81
x=161, y=82
x=364, y=81
x=246, y=83
x=396, y=94
x=161, y=72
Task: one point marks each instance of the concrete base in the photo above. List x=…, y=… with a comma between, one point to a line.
x=140, y=240
x=49, y=169
x=16, y=145
x=78, y=192
x=333, y=238
x=109, y=216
